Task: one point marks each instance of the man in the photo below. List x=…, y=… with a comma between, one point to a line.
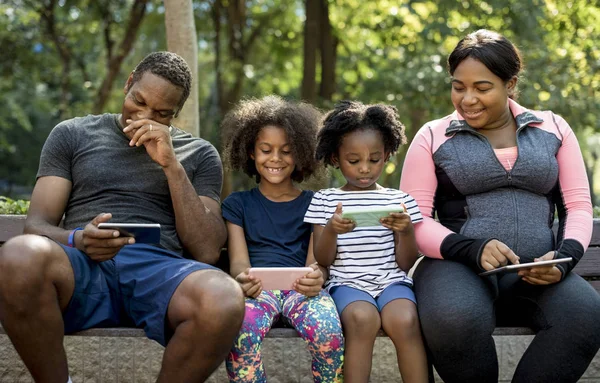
x=132, y=167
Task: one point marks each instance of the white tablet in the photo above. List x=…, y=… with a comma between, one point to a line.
x=279, y=278
x=528, y=265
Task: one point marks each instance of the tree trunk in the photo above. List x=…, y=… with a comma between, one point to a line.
x=182, y=39
x=115, y=59
x=308, y=91
x=328, y=49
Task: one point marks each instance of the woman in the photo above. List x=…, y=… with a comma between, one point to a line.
x=494, y=172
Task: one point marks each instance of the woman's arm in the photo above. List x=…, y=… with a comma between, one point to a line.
x=419, y=180
x=572, y=199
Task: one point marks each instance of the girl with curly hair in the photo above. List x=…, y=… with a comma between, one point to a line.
x=274, y=141
x=368, y=264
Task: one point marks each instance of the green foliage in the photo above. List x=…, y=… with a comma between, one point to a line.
x=388, y=51
x=596, y=211
x=11, y=206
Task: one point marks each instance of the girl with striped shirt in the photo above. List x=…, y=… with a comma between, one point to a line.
x=368, y=265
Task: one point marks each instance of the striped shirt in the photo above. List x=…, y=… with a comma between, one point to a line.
x=365, y=257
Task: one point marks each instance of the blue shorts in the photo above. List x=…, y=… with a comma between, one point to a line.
x=133, y=289
x=344, y=295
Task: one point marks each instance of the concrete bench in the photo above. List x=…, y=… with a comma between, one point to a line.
x=588, y=268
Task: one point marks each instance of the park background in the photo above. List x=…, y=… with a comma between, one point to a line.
x=67, y=58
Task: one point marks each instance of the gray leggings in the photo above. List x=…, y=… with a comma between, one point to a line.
x=459, y=310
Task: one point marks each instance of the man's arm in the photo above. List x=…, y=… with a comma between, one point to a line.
x=197, y=218
x=48, y=202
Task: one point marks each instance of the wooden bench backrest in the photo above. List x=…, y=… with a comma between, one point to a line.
x=588, y=267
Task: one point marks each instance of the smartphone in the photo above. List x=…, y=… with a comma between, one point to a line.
x=528, y=265
x=142, y=232
x=279, y=278
x=369, y=216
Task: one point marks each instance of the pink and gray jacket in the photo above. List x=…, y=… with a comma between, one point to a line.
x=454, y=173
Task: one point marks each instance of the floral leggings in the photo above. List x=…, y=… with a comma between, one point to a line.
x=316, y=321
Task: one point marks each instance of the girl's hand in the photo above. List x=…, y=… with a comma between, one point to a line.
x=338, y=224
x=311, y=284
x=543, y=275
x=496, y=254
x=398, y=223
x=249, y=283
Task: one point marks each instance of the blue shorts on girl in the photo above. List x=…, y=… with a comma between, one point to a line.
x=344, y=295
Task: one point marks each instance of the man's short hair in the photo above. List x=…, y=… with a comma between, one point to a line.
x=169, y=66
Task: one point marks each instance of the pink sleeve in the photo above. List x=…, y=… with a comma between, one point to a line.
x=574, y=186
x=419, y=180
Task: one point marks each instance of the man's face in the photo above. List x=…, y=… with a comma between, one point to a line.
x=151, y=97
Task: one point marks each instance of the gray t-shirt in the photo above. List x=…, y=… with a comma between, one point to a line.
x=109, y=176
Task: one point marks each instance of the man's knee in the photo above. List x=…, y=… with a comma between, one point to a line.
x=213, y=300
x=23, y=261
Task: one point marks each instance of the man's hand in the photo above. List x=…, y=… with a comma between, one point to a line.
x=251, y=285
x=311, y=284
x=496, y=254
x=543, y=275
x=338, y=224
x=100, y=244
x=155, y=137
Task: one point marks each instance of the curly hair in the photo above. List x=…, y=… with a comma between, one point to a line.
x=351, y=116
x=169, y=66
x=241, y=126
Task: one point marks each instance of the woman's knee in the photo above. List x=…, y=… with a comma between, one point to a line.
x=579, y=317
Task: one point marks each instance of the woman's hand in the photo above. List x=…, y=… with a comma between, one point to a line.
x=543, y=275
x=496, y=254
x=251, y=285
x=311, y=284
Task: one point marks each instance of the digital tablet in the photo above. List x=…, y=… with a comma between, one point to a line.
x=142, y=232
x=528, y=265
x=369, y=216
x=279, y=278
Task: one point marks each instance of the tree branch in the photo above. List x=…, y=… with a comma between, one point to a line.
x=136, y=15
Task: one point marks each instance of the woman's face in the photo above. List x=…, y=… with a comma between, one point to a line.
x=480, y=96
